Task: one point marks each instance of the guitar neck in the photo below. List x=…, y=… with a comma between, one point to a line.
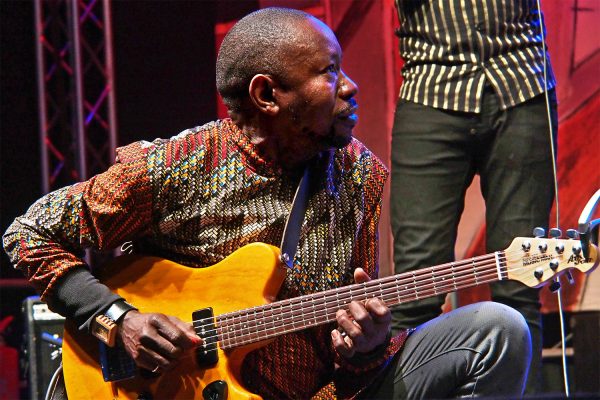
x=268, y=321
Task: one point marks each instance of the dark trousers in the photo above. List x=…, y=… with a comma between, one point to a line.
x=435, y=155
x=480, y=350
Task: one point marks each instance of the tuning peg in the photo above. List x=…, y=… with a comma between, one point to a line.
x=554, y=264
x=560, y=248
x=543, y=247
x=538, y=273
x=539, y=232
x=526, y=246
x=577, y=249
x=572, y=234
x=555, y=233
x=554, y=286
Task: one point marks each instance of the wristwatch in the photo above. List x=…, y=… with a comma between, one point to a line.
x=104, y=326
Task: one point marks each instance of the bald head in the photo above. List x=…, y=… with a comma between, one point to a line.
x=255, y=45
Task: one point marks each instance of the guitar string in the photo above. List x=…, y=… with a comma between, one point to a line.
x=212, y=340
x=241, y=318
x=250, y=315
x=429, y=274
x=277, y=333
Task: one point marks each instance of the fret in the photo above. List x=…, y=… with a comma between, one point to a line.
x=278, y=317
x=271, y=320
x=453, y=276
x=260, y=323
x=230, y=331
x=314, y=310
x=302, y=315
x=295, y=306
x=433, y=280
x=244, y=331
x=221, y=334
x=415, y=285
x=305, y=318
x=233, y=332
x=286, y=315
x=327, y=312
x=270, y=326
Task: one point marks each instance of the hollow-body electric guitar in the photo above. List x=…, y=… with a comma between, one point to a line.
x=233, y=309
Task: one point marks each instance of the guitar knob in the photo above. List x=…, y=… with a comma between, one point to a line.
x=555, y=233
x=572, y=234
x=577, y=249
x=560, y=248
x=538, y=273
x=554, y=264
x=526, y=245
x=539, y=232
x=543, y=247
x=216, y=390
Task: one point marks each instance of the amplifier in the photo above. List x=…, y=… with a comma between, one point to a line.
x=43, y=341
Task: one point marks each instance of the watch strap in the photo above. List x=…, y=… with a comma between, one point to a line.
x=118, y=309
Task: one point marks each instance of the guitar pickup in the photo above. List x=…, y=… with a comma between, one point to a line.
x=204, y=325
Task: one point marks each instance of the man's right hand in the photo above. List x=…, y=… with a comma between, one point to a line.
x=156, y=341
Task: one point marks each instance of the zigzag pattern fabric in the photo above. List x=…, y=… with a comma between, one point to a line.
x=197, y=197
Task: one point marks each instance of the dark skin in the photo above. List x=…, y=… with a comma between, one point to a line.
x=292, y=123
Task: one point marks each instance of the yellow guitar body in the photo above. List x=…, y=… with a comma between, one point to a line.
x=252, y=276
x=249, y=277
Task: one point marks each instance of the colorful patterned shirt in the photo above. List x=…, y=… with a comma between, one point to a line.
x=197, y=197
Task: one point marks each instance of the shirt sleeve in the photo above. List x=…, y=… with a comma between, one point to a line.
x=47, y=243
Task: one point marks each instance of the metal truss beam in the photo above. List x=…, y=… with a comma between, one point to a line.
x=76, y=93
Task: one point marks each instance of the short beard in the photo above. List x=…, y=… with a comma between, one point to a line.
x=337, y=141
x=331, y=140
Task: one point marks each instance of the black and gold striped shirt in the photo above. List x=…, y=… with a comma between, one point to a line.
x=452, y=48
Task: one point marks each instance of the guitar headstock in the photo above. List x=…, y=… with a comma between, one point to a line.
x=535, y=261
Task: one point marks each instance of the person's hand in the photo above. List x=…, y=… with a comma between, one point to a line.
x=364, y=326
x=156, y=341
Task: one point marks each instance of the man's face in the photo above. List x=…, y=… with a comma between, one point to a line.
x=317, y=106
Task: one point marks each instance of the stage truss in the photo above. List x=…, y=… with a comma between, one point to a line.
x=76, y=93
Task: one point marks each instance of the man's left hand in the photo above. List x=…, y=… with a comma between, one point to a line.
x=364, y=326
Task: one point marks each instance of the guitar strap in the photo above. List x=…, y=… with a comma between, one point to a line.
x=293, y=225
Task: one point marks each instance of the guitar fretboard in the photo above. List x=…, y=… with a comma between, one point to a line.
x=270, y=320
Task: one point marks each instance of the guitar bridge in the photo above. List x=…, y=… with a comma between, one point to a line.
x=204, y=325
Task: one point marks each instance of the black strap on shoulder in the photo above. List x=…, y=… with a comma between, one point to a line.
x=293, y=225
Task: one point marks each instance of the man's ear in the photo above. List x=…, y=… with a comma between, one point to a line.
x=261, y=93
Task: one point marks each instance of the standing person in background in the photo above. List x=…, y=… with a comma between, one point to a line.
x=477, y=97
